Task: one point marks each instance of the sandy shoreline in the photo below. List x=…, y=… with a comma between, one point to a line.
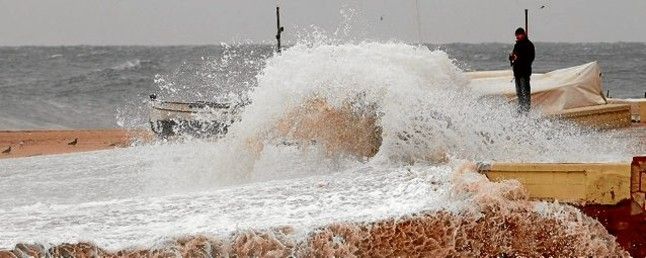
x=27, y=143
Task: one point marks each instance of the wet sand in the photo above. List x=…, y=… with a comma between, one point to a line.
x=29, y=143
x=14, y=144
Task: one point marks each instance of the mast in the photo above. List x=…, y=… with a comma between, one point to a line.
x=526, y=23
x=419, y=23
x=279, y=29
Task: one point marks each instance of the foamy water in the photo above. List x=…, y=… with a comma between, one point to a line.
x=112, y=206
x=142, y=195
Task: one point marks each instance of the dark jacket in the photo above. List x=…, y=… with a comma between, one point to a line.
x=525, y=52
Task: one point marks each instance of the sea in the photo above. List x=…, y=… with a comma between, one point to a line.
x=99, y=86
x=290, y=179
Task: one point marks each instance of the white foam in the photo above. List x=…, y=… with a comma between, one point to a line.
x=105, y=203
x=127, y=65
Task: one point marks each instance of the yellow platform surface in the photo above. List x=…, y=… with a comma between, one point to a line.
x=608, y=116
x=637, y=107
x=580, y=183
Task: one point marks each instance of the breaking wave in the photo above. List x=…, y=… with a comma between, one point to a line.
x=420, y=103
x=127, y=65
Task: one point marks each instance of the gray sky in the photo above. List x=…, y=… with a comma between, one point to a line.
x=172, y=22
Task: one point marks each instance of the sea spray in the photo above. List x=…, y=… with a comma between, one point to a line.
x=224, y=76
x=421, y=104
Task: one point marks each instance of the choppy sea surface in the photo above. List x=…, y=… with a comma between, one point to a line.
x=89, y=86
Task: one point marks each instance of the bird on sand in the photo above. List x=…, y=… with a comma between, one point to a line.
x=74, y=142
x=7, y=150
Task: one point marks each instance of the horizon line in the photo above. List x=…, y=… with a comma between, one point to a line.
x=292, y=44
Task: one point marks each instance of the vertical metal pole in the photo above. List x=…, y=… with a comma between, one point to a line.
x=419, y=23
x=526, y=23
x=279, y=29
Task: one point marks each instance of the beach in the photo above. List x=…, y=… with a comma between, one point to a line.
x=29, y=143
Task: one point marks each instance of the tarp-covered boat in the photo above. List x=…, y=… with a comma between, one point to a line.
x=552, y=92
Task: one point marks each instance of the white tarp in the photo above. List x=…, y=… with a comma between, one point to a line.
x=552, y=92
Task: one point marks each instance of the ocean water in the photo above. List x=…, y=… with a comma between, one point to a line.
x=92, y=87
x=265, y=174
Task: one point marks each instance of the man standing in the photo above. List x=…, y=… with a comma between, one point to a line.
x=521, y=59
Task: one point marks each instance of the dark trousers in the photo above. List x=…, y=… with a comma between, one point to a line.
x=523, y=91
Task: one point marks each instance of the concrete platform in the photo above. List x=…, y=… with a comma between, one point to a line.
x=637, y=108
x=608, y=116
x=577, y=183
x=612, y=193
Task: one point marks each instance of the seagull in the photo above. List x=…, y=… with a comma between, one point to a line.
x=74, y=142
x=7, y=150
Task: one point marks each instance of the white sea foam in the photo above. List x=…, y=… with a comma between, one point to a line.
x=109, y=203
x=130, y=64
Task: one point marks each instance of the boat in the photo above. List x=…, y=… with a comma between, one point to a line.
x=199, y=119
x=574, y=94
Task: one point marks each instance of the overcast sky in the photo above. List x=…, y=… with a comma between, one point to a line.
x=173, y=22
